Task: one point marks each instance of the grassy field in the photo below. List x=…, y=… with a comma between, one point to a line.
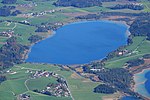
x=52, y=18
x=36, y=96
x=42, y=83
x=3, y=39
x=139, y=47
x=21, y=31
x=6, y=95
x=81, y=88
x=19, y=82
x=146, y=4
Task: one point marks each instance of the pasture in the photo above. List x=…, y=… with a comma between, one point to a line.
x=139, y=48
x=19, y=82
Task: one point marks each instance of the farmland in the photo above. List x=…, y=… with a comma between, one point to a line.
x=19, y=82
x=43, y=15
x=139, y=48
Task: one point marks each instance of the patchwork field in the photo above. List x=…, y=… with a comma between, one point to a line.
x=19, y=82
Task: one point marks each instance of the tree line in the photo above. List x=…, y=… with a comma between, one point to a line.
x=12, y=53
x=140, y=27
x=9, y=1
x=128, y=6
x=78, y=3
x=7, y=11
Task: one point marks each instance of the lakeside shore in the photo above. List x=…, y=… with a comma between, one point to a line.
x=113, y=21
x=139, y=79
x=53, y=32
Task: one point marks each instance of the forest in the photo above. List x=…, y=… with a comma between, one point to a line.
x=35, y=38
x=146, y=56
x=135, y=62
x=127, y=6
x=9, y=11
x=102, y=88
x=118, y=78
x=41, y=29
x=2, y=78
x=12, y=53
x=9, y=1
x=139, y=26
x=78, y=3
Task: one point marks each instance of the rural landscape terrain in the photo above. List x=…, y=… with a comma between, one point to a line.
x=24, y=23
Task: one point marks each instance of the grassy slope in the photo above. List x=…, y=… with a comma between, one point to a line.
x=4, y=95
x=138, y=48
x=146, y=4
x=81, y=88
x=42, y=83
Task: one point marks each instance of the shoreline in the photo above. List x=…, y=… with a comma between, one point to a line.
x=53, y=32
x=141, y=84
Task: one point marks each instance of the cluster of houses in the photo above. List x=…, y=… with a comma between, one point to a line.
x=36, y=14
x=136, y=4
x=41, y=73
x=24, y=97
x=58, y=89
x=123, y=52
x=7, y=33
x=30, y=5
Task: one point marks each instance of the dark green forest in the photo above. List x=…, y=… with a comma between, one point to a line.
x=12, y=53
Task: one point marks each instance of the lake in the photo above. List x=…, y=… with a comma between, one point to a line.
x=79, y=43
x=142, y=81
x=129, y=98
x=147, y=83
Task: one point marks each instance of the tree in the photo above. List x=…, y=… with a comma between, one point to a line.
x=78, y=3
x=34, y=38
x=12, y=53
x=9, y=1
x=2, y=78
x=41, y=29
x=102, y=88
x=135, y=62
x=5, y=12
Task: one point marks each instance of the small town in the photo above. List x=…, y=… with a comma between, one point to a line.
x=58, y=89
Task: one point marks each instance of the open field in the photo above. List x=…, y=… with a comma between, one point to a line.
x=21, y=31
x=18, y=82
x=42, y=82
x=6, y=95
x=146, y=4
x=139, y=48
x=81, y=88
x=3, y=39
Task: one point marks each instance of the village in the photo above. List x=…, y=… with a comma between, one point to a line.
x=57, y=89
x=7, y=33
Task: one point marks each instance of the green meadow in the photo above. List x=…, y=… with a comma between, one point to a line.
x=139, y=48
x=19, y=82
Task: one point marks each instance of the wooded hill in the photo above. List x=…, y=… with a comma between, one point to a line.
x=12, y=53
x=140, y=27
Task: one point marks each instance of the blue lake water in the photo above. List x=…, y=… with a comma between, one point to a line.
x=79, y=43
x=129, y=98
x=142, y=84
x=147, y=83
